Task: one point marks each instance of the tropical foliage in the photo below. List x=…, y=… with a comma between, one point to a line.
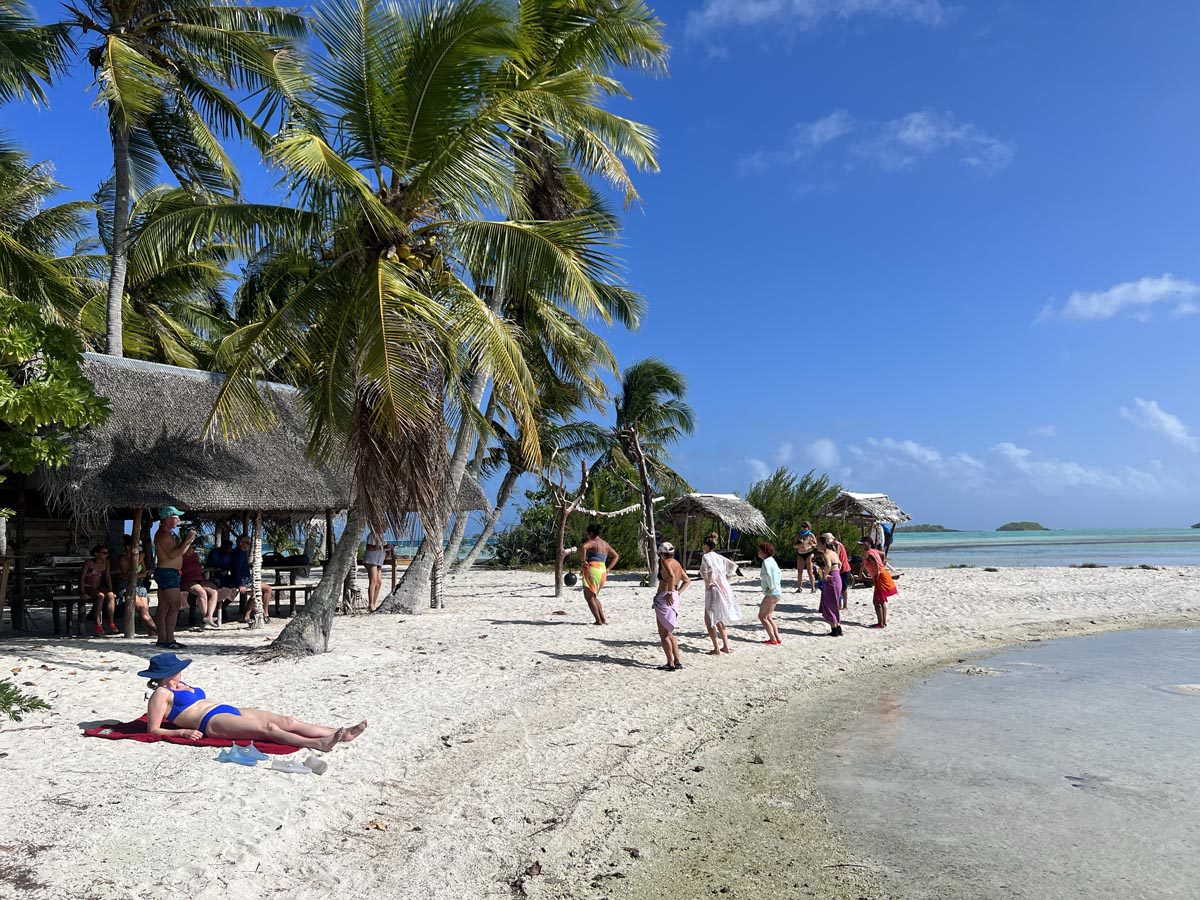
x=786, y=500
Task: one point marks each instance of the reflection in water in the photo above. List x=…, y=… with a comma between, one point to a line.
x=1067, y=773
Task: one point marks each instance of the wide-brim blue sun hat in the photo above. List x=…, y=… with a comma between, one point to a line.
x=164, y=665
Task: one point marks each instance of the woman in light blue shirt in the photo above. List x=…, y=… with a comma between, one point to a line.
x=772, y=587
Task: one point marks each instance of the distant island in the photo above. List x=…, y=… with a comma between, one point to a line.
x=1022, y=526
x=928, y=528
x=1197, y=525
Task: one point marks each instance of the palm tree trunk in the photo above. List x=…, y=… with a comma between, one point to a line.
x=120, y=233
x=308, y=633
x=473, y=468
x=502, y=497
x=256, y=591
x=419, y=578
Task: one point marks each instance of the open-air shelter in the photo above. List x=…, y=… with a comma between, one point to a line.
x=152, y=451
x=863, y=509
x=729, y=510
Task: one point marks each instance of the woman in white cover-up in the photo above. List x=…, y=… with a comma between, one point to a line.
x=719, y=606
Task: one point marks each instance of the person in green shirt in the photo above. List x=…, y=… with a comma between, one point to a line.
x=772, y=587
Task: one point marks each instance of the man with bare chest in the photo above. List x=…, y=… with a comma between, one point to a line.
x=169, y=550
x=672, y=581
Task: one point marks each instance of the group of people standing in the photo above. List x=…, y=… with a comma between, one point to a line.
x=823, y=558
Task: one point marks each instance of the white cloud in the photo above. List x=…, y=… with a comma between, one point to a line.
x=1137, y=299
x=1046, y=431
x=758, y=469
x=823, y=453
x=784, y=453
x=961, y=467
x=1149, y=415
x=901, y=143
x=893, y=146
x=805, y=15
x=1053, y=476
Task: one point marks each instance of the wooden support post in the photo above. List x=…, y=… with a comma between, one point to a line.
x=393, y=556
x=5, y=562
x=256, y=592
x=135, y=551
x=684, y=555
x=18, y=601
x=328, y=534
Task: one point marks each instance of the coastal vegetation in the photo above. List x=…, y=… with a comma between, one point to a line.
x=1022, y=526
x=924, y=529
x=432, y=281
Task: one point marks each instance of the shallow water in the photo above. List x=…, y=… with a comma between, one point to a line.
x=1111, y=547
x=1066, y=770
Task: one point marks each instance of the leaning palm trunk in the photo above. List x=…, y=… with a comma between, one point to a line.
x=428, y=576
x=114, y=341
x=502, y=498
x=308, y=633
x=473, y=468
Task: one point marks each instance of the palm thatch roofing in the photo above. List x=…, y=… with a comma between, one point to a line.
x=151, y=451
x=729, y=509
x=864, y=509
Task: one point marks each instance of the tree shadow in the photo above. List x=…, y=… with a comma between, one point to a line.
x=655, y=645
x=602, y=658
x=561, y=621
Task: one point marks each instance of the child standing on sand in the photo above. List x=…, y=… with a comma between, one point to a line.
x=876, y=568
x=772, y=587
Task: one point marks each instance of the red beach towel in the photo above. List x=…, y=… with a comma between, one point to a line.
x=136, y=731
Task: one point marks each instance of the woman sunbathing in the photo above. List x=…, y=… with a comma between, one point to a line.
x=195, y=716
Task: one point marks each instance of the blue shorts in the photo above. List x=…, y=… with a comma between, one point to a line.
x=216, y=711
x=166, y=578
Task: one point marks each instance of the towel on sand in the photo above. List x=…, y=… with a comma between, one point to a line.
x=136, y=731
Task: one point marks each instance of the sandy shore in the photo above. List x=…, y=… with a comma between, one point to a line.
x=512, y=751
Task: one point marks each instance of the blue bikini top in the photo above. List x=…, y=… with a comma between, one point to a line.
x=181, y=700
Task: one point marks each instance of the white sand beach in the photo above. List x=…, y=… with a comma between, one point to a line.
x=512, y=750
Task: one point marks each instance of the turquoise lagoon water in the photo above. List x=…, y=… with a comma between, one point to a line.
x=1111, y=547
x=1062, y=770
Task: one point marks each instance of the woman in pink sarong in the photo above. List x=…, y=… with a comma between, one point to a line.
x=720, y=608
x=830, y=566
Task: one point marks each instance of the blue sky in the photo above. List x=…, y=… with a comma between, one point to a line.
x=947, y=251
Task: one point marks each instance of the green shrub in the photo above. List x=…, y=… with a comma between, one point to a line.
x=785, y=500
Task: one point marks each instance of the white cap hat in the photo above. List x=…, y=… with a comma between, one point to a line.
x=666, y=548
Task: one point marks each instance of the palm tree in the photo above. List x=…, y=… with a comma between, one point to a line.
x=31, y=233
x=651, y=414
x=30, y=54
x=403, y=161
x=164, y=71
x=580, y=43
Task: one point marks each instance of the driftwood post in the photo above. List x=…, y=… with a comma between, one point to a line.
x=633, y=447
x=135, y=556
x=565, y=507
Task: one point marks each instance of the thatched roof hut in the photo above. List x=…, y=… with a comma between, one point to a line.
x=151, y=452
x=729, y=509
x=864, y=509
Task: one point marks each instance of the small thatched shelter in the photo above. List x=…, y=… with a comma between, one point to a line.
x=151, y=452
x=864, y=509
x=729, y=509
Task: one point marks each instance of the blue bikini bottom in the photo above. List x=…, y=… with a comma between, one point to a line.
x=216, y=711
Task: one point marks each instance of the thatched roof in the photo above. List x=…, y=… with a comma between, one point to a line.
x=730, y=509
x=151, y=452
x=864, y=508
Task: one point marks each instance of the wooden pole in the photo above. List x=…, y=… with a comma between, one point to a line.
x=328, y=534
x=135, y=552
x=392, y=553
x=256, y=592
x=686, y=520
x=4, y=586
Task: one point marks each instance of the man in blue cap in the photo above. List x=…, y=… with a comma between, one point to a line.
x=169, y=549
